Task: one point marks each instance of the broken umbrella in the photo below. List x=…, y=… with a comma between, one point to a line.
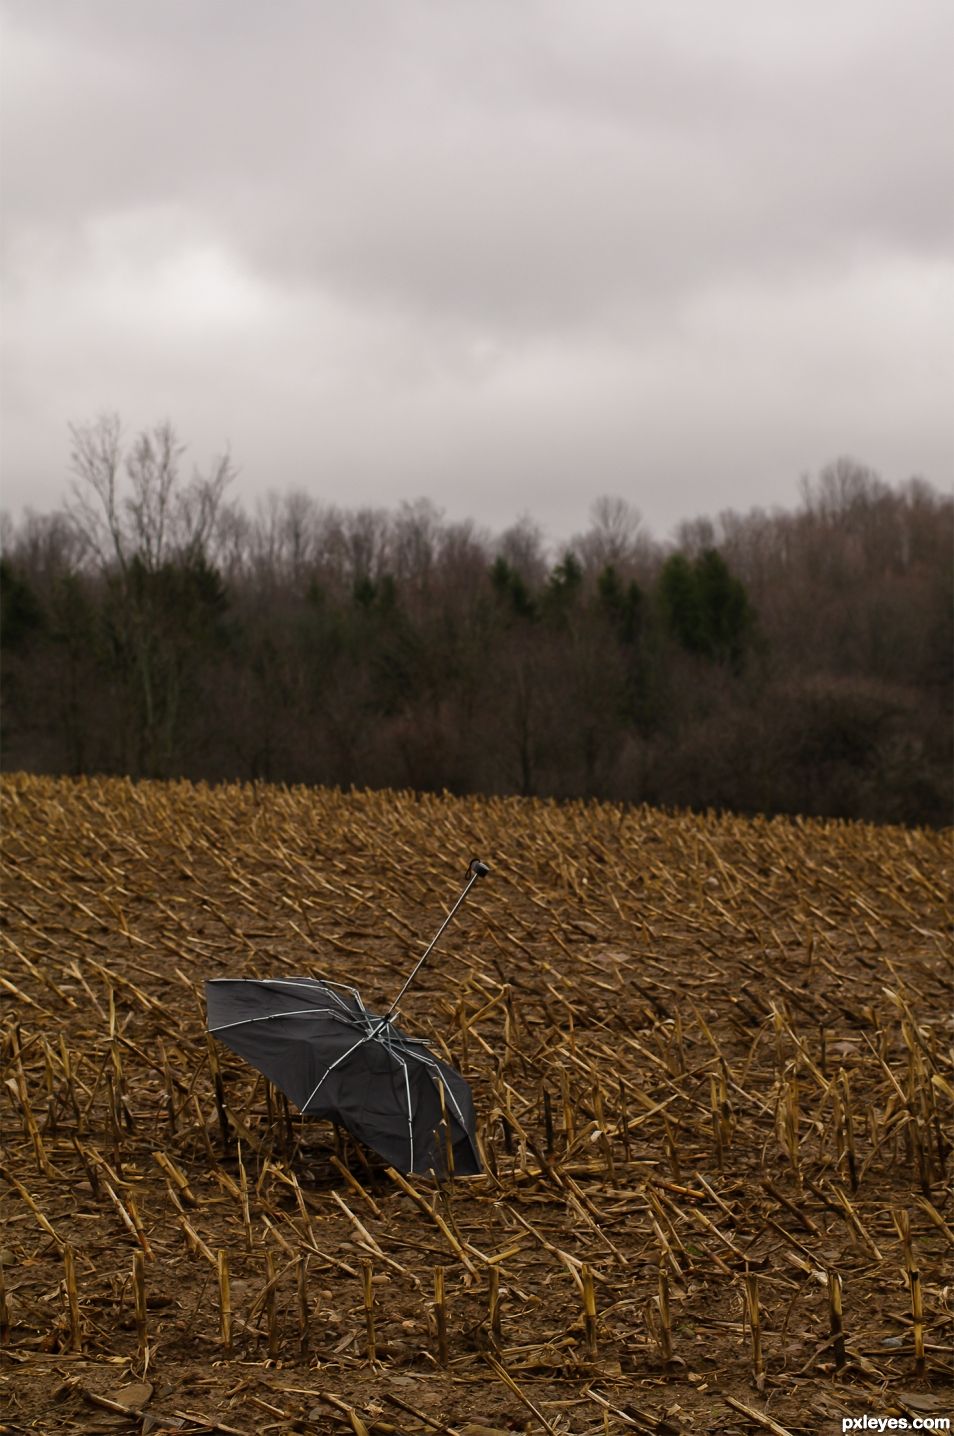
x=335, y=1058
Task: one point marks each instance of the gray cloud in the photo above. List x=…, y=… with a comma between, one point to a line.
x=507, y=255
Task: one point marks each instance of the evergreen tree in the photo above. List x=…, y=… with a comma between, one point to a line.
x=21, y=616
x=705, y=607
x=564, y=587
x=622, y=605
x=680, y=603
x=724, y=608
x=511, y=590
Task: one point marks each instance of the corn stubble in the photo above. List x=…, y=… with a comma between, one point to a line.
x=712, y=1065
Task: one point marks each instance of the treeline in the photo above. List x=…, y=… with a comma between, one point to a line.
x=796, y=662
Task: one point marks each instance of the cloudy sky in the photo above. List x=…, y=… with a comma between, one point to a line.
x=505, y=254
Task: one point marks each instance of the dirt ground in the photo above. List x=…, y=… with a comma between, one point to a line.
x=712, y=1064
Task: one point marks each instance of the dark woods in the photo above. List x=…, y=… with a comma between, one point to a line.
x=783, y=662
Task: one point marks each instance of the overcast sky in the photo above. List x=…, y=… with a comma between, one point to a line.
x=505, y=254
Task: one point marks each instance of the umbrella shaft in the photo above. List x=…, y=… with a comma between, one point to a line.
x=430, y=945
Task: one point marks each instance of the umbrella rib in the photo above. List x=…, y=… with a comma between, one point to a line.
x=360, y=1043
x=345, y=988
x=390, y=1044
x=410, y=1115
x=402, y=1039
x=270, y=1017
x=407, y=1084
x=311, y=984
x=308, y=983
x=430, y=1062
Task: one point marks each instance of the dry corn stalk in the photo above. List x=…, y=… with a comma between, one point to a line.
x=139, y=1302
x=367, y=1292
x=440, y=1315
x=589, y=1313
x=902, y=1221
x=755, y=1327
x=613, y=1083
x=72, y=1299
x=665, y=1319
x=836, y=1324
x=225, y=1298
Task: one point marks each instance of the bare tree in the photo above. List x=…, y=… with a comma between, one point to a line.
x=135, y=515
x=135, y=504
x=843, y=489
x=694, y=536
x=522, y=546
x=415, y=540
x=612, y=540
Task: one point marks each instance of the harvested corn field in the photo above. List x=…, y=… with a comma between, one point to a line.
x=711, y=1059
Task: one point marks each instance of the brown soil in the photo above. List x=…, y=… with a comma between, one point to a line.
x=712, y=1065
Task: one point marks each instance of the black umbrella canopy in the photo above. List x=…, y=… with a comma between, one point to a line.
x=334, y=1058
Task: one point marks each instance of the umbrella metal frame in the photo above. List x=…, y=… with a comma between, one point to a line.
x=374, y=1028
